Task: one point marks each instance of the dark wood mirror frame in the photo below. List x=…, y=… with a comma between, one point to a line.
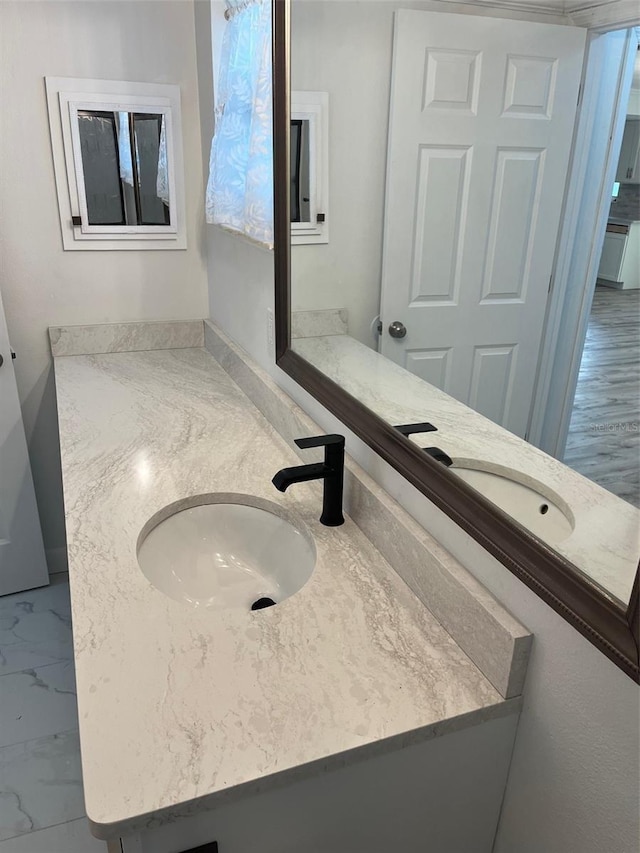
x=601, y=619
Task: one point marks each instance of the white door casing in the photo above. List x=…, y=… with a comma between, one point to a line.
x=22, y=557
x=480, y=132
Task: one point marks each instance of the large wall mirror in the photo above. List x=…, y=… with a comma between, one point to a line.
x=449, y=142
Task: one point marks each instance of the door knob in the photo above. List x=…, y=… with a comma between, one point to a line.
x=397, y=329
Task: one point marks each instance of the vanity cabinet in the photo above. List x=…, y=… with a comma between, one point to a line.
x=620, y=258
x=629, y=162
x=443, y=794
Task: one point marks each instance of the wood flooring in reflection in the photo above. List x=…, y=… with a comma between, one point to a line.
x=604, y=436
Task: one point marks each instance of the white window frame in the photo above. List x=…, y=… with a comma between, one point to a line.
x=65, y=97
x=314, y=108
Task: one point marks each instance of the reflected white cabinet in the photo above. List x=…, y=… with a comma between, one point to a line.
x=629, y=162
x=620, y=259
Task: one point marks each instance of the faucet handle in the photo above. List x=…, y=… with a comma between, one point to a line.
x=320, y=441
x=410, y=429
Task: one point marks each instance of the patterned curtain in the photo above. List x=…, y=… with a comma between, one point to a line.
x=240, y=187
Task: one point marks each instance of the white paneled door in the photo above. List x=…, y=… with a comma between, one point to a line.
x=22, y=559
x=480, y=132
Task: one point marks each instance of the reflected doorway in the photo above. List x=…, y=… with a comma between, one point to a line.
x=603, y=442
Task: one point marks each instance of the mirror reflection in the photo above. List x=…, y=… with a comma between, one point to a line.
x=300, y=174
x=124, y=167
x=450, y=138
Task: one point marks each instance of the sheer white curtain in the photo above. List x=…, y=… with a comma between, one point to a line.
x=126, y=162
x=240, y=187
x=162, y=181
x=124, y=148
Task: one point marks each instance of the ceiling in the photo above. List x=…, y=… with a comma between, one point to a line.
x=599, y=14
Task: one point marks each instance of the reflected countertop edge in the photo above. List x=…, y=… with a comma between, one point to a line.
x=605, y=542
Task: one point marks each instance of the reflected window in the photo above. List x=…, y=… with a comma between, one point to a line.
x=309, y=172
x=300, y=174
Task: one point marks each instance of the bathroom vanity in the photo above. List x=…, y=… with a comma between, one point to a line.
x=345, y=718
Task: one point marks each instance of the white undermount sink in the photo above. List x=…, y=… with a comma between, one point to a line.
x=527, y=501
x=226, y=551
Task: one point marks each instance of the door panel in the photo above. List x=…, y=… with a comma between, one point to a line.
x=481, y=122
x=22, y=559
x=492, y=375
x=442, y=189
x=517, y=182
x=430, y=365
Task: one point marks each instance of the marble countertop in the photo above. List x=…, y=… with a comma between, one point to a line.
x=605, y=541
x=181, y=708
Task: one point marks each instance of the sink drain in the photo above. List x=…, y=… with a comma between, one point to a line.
x=262, y=603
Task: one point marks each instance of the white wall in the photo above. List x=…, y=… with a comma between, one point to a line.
x=347, y=53
x=149, y=41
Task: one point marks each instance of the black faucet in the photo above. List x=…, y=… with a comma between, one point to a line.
x=331, y=471
x=434, y=452
x=439, y=455
x=410, y=429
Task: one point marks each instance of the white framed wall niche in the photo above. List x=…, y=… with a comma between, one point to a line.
x=118, y=163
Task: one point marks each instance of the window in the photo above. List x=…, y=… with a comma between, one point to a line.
x=118, y=164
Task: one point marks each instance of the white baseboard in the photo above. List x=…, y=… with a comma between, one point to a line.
x=56, y=560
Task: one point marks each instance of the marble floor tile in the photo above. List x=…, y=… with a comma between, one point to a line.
x=35, y=628
x=56, y=594
x=37, y=702
x=72, y=837
x=40, y=784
